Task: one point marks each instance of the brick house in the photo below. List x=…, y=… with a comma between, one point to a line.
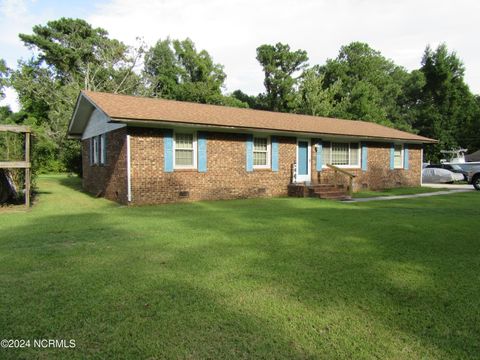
x=147, y=151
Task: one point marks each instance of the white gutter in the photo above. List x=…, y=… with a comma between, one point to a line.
x=129, y=175
x=421, y=166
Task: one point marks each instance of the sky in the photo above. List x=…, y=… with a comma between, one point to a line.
x=231, y=30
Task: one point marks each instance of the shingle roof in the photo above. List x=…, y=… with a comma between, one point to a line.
x=119, y=107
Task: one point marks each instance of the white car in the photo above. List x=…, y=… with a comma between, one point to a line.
x=435, y=175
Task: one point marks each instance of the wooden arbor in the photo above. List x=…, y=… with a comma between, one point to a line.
x=20, y=164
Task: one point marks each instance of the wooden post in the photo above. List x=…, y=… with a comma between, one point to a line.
x=27, y=169
x=20, y=164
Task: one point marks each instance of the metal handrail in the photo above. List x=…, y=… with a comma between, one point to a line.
x=350, y=176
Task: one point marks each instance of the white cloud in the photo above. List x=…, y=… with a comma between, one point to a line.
x=11, y=99
x=15, y=18
x=231, y=30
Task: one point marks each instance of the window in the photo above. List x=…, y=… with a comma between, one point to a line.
x=354, y=154
x=103, y=149
x=94, y=150
x=98, y=150
x=341, y=154
x=398, y=156
x=185, y=151
x=261, y=152
x=326, y=153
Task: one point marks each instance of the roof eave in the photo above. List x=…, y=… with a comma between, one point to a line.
x=140, y=122
x=81, y=115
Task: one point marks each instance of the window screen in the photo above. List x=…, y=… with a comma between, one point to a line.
x=398, y=160
x=184, y=154
x=260, y=151
x=340, y=154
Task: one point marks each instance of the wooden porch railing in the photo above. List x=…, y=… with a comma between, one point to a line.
x=350, y=177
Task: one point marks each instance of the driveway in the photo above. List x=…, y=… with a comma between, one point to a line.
x=449, y=186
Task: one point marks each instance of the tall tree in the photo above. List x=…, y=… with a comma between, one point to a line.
x=280, y=66
x=174, y=69
x=448, y=111
x=200, y=78
x=371, y=85
x=161, y=70
x=70, y=55
x=251, y=100
x=314, y=98
x=78, y=53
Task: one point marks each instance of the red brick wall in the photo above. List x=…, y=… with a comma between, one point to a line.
x=226, y=176
x=110, y=180
x=378, y=174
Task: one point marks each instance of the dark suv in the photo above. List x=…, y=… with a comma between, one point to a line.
x=473, y=177
x=452, y=167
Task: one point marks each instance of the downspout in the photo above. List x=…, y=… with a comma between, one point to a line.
x=129, y=175
x=421, y=165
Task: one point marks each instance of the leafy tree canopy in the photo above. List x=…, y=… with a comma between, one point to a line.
x=280, y=65
x=252, y=101
x=314, y=98
x=371, y=85
x=70, y=55
x=174, y=69
x=447, y=110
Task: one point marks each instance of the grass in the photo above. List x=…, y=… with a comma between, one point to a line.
x=265, y=278
x=396, y=191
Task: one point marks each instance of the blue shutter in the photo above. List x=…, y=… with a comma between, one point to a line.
x=202, y=152
x=364, y=156
x=405, y=156
x=319, y=159
x=168, y=150
x=392, y=156
x=274, y=153
x=249, y=147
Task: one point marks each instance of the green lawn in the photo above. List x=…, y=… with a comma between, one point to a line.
x=396, y=191
x=266, y=278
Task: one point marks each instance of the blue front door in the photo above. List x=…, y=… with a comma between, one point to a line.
x=303, y=173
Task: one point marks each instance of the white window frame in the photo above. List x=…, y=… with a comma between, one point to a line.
x=194, y=144
x=95, y=152
x=269, y=151
x=402, y=158
x=359, y=155
x=102, y=151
